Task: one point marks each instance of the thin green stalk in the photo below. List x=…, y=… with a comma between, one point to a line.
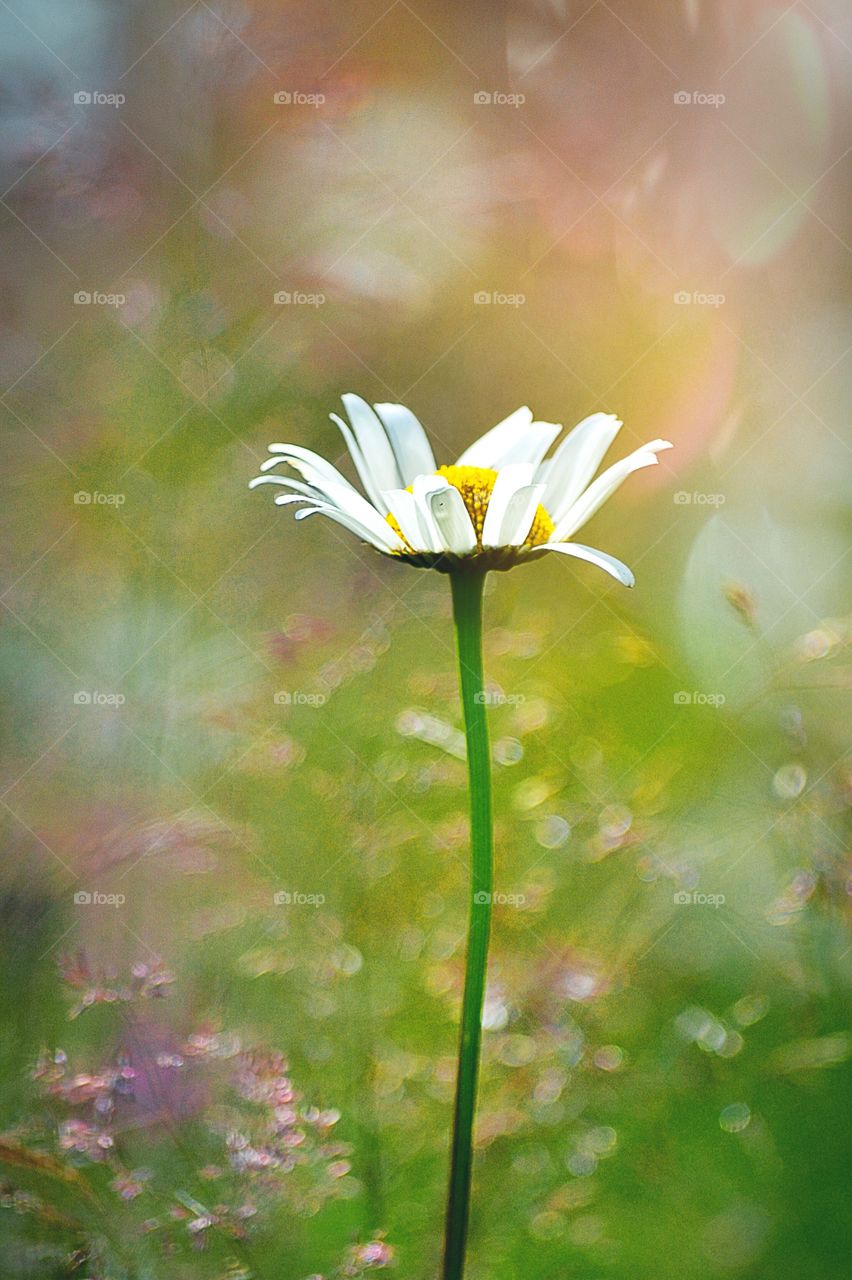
x=467, y=611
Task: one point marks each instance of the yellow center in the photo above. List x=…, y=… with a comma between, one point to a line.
x=476, y=484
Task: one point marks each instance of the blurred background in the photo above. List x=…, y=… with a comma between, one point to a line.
x=233, y=797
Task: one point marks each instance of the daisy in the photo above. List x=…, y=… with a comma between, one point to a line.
x=500, y=504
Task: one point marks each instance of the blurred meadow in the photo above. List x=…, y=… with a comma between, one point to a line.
x=233, y=791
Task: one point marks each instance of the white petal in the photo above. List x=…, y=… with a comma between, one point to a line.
x=509, y=480
x=576, y=461
x=423, y=488
x=373, y=490
x=403, y=507
x=481, y=452
x=382, y=542
x=323, y=479
x=353, y=504
x=370, y=449
x=515, y=439
x=454, y=524
x=410, y=445
x=373, y=442
x=608, y=563
x=339, y=492
x=520, y=514
x=285, y=499
x=604, y=487
x=288, y=483
x=309, y=464
x=342, y=497
x=536, y=442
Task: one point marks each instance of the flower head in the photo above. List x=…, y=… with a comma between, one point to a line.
x=500, y=504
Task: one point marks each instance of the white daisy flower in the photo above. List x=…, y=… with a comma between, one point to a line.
x=500, y=504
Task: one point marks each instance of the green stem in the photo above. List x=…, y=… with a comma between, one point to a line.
x=467, y=612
